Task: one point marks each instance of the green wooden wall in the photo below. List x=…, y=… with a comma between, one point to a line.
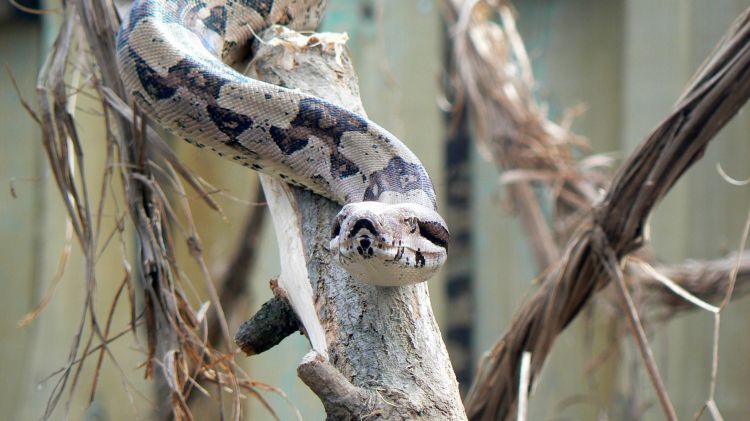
x=20, y=174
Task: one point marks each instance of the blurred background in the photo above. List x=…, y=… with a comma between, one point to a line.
x=625, y=62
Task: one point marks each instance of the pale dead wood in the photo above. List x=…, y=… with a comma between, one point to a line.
x=294, y=279
x=523, y=388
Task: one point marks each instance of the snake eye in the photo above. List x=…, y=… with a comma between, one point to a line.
x=336, y=230
x=435, y=233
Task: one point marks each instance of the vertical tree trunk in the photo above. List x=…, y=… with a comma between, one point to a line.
x=387, y=358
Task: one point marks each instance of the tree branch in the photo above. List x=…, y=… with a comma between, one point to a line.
x=342, y=400
x=383, y=343
x=705, y=279
x=267, y=328
x=718, y=91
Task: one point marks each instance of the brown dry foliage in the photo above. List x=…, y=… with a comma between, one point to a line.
x=493, y=71
x=178, y=352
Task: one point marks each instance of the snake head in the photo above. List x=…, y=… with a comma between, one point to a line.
x=389, y=244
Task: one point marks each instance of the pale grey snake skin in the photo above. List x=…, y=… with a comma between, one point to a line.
x=175, y=58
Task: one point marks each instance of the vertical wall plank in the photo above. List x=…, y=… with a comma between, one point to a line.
x=19, y=202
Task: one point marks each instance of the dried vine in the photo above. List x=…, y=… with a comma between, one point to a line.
x=615, y=225
x=82, y=62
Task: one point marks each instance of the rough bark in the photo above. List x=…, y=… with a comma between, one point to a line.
x=386, y=358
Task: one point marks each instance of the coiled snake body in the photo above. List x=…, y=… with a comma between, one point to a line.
x=175, y=57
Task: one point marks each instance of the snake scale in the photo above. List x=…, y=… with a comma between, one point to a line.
x=176, y=59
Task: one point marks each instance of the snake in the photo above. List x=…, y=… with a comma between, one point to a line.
x=178, y=60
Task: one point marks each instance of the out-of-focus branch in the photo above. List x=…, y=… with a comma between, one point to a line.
x=530, y=148
x=233, y=286
x=719, y=90
x=511, y=127
x=705, y=279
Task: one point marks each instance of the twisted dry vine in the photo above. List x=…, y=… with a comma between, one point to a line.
x=718, y=91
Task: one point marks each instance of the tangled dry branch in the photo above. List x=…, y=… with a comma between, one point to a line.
x=82, y=62
x=495, y=82
x=520, y=139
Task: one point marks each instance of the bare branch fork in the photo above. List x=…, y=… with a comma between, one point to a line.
x=615, y=225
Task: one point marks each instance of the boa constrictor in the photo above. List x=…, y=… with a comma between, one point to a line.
x=175, y=57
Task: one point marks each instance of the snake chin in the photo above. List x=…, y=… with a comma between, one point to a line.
x=389, y=244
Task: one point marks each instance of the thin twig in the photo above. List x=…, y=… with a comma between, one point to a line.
x=711, y=402
x=634, y=322
x=735, y=270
